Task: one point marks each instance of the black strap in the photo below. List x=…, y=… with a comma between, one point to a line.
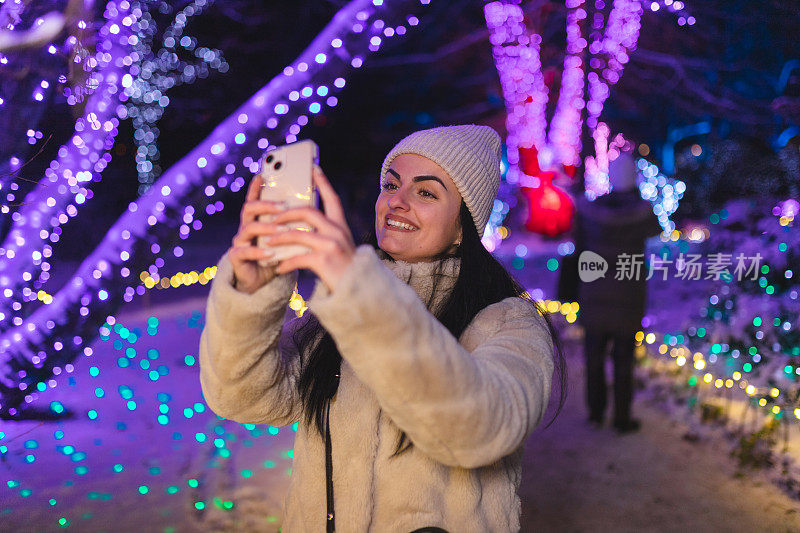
x=330, y=523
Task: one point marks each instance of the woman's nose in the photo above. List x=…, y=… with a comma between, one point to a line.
x=398, y=199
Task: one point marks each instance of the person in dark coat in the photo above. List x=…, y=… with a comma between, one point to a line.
x=611, y=309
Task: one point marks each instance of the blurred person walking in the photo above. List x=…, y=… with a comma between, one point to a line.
x=614, y=226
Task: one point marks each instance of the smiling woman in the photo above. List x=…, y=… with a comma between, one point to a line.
x=416, y=214
x=423, y=365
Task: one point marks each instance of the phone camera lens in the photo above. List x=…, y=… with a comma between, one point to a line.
x=270, y=158
x=278, y=165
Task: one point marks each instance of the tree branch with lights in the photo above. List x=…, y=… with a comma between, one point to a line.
x=46, y=342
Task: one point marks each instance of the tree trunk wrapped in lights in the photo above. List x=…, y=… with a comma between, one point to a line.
x=599, y=46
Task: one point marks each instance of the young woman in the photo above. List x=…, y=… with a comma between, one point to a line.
x=422, y=365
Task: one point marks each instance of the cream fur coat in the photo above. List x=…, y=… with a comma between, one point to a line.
x=467, y=404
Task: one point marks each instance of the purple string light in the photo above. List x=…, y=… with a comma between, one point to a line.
x=67, y=181
x=610, y=56
x=55, y=334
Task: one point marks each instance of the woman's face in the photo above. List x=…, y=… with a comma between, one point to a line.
x=417, y=211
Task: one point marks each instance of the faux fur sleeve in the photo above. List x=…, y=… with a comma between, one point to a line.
x=466, y=408
x=243, y=373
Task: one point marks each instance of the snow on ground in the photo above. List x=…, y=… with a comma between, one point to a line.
x=141, y=451
x=576, y=478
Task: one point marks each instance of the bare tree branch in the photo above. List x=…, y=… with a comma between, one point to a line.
x=661, y=59
x=436, y=56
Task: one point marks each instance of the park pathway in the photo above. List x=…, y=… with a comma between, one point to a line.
x=578, y=479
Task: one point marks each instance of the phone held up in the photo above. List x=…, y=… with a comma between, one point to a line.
x=286, y=171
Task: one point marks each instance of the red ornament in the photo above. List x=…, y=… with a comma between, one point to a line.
x=550, y=209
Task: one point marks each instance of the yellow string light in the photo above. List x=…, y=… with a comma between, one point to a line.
x=44, y=297
x=178, y=279
x=296, y=302
x=682, y=352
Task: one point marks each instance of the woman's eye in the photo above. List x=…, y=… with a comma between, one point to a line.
x=388, y=186
x=423, y=192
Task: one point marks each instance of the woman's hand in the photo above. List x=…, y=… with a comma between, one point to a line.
x=330, y=241
x=244, y=254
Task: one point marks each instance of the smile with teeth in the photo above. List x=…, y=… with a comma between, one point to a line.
x=401, y=225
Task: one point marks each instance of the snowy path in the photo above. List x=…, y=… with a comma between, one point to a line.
x=580, y=479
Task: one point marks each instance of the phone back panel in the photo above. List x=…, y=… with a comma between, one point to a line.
x=287, y=171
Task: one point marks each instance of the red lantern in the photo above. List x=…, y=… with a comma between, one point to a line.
x=550, y=209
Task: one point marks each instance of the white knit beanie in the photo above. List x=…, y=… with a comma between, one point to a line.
x=470, y=154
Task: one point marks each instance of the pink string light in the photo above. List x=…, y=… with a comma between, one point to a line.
x=517, y=57
x=611, y=54
x=516, y=50
x=565, y=129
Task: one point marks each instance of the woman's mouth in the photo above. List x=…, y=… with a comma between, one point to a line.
x=399, y=226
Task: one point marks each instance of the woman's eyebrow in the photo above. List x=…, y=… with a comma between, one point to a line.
x=395, y=174
x=427, y=178
x=419, y=178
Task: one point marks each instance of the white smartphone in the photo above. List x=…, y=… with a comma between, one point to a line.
x=286, y=171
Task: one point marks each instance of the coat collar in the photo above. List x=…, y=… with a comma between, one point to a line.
x=422, y=276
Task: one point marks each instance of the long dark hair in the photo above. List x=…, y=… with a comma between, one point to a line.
x=481, y=281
